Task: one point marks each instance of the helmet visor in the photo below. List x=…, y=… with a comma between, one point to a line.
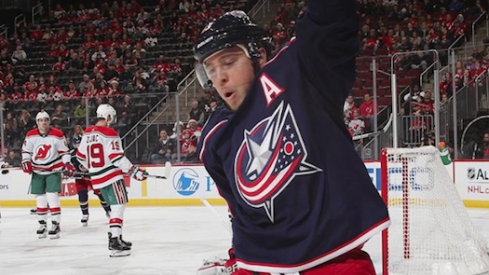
x=231, y=63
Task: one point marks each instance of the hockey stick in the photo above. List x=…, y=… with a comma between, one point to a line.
x=78, y=174
x=167, y=172
x=224, y=223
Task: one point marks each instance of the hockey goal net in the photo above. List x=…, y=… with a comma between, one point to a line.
x=431, y=231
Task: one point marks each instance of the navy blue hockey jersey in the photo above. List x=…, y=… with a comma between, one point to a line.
x=285, y=162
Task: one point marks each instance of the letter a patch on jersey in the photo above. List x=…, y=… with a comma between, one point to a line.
x=271, y=156
x=270, y=88
x=42, y=151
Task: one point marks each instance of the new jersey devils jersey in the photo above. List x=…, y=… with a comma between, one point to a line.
x=284, y=161
x=101, y=152
x=47, y=152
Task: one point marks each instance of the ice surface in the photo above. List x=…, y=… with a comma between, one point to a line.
x=166, y=241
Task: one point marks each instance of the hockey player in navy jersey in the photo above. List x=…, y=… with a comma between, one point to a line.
x=301, y=198
x=84, y=184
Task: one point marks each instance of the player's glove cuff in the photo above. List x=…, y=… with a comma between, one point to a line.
x=27, y=167
x=137, y=173
x=69, y=170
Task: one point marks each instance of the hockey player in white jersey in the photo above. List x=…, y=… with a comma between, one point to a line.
x=44, y=156
x=101, y=152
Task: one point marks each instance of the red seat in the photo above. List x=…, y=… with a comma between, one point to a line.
x=358, y=93
x=382, y=52
x=383, y=92
x=384, y=101
x=364, y=76
x=358, y=85
x=402, y=82
x=368, y=85
x=382, y=76
x=413, y=73
x=385, y=83
x=363, y=68
x=366, y=52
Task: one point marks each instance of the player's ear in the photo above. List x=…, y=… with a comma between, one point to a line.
x=263, y=57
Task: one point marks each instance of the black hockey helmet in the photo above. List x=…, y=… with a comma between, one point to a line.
x=231, y=29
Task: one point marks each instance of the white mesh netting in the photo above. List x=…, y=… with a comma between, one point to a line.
x=431, y=232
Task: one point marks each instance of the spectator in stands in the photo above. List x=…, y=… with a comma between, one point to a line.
x=349, y=107
x=196, y=130
x=367, y=110
x=19, y=55
x=77, y=133
x=90, y=92
x=75, y=62
x=12, y=137
x=25, y=122
x=184, y=6
x=210, y=109
x=60, y=65
x=477, y=9
x=47, y=35
x=111, y=73
x=456, y=6
x=114, y=89
x=181, y=128
x=371, y=42
x=428, y=139
x=204, y=102
x=426, y=103
x=100, y=53
x=188, y=146
x=140, y=84
x=25, y=42
x=9, y=119
x=126, y=111
x=151, y=40
x=71, y=33
x=42, y=95
x=5, y=59
x=478, y=73
x=83, y=86
x=356, y=124
x=37, y=34
x=103, y=90
x=80, y=111
x=482, y=151
x=197, y=113
x=164, y=149
x=12, y=159
x=446, y=84
x=159, y=82
x=59, y=118
x=405, y=44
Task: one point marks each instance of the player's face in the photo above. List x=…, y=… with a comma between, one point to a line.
x=231, y=73
x=43, y=125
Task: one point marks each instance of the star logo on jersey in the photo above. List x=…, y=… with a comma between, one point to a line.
x=271, y=156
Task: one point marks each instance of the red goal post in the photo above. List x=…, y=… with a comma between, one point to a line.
x=431, y=231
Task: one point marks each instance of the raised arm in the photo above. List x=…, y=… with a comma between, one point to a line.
x=327, y=37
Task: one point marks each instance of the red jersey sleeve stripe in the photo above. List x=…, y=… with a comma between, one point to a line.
x=113, y=156
x=80, y=155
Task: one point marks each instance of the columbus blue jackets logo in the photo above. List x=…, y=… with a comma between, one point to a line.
x=271, y=156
